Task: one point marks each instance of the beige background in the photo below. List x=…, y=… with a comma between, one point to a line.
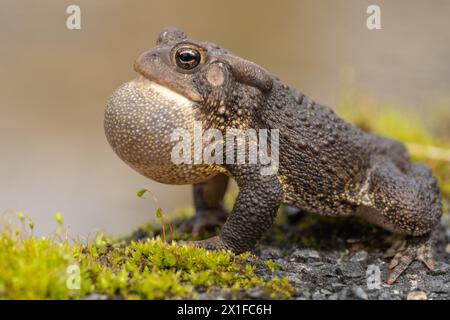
x=54, y=84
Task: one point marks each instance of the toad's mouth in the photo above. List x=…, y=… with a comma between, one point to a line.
x=165, y=92
x=159, y=78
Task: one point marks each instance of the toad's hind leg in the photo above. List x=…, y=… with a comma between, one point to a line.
x=416, y=248
x=404, y=203
x=210, y=211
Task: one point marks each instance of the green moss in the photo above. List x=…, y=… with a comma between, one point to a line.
x=33, y=268
x=279, y=287
x=272, y=265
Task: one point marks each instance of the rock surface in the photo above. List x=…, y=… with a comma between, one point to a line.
x=345, y=260
x=336, y=259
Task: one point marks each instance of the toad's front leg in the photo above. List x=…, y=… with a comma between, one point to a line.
x=253, y=213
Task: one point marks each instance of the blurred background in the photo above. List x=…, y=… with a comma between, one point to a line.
x=54, y=84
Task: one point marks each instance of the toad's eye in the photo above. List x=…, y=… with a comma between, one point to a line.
x=187, y=58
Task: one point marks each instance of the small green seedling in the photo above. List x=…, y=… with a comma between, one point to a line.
x=20, y=215
x=23, y=219
x=31, y=225
x=159, y=212
x=59, y=218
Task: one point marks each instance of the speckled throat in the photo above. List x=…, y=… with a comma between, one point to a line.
x=139, y=119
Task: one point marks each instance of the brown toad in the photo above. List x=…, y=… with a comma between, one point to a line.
x=325, y=165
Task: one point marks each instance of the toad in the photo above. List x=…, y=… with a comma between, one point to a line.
x=325, y=165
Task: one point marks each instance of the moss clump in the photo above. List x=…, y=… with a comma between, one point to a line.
x=39, y=268
x=33, y=268
x=272, y=265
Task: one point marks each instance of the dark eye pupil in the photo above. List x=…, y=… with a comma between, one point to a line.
x=187, y=58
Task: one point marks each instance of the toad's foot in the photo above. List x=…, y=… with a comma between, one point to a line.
x=414, y=248
x=203, y=220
